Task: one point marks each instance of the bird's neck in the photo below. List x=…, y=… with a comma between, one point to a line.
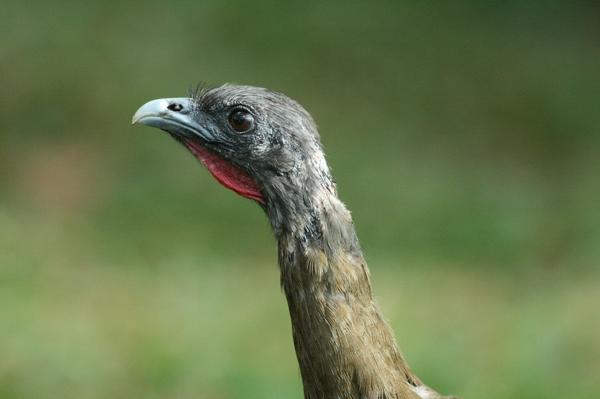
x=344, y=346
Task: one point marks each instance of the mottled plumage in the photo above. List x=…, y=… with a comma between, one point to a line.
x=345, y=348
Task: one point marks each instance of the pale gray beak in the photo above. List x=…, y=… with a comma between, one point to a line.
x=173, y=115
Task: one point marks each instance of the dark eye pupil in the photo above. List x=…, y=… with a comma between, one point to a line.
x=241, y=120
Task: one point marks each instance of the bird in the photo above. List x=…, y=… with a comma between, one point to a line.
x=265, y=146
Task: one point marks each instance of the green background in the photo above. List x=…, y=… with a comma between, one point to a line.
x=464, y=136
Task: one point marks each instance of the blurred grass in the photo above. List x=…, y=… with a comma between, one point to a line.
x=464, y=138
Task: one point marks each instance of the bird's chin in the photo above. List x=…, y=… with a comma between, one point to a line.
x=225, y=172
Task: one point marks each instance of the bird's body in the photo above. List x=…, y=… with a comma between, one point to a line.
x=266, y=147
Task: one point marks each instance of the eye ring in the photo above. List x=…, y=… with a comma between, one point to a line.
x=241, y=120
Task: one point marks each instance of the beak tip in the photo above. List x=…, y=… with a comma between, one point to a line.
x=155, y=112
x=153, y=108
x=141, y=113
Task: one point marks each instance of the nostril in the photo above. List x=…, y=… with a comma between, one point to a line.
x=175, y=107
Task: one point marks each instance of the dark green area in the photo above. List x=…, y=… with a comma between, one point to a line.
x=464, y=136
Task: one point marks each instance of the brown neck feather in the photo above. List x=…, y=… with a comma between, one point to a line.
x=344, y=346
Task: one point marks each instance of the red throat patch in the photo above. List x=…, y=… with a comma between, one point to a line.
x=226, y=173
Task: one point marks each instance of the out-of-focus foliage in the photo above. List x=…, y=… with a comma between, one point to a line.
x=464, y=136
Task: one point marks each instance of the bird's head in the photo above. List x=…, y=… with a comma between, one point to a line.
x=256, y=142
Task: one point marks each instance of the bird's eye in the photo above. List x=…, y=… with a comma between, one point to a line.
x=241, y=120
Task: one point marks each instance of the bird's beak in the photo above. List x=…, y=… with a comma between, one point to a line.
x=173, y=115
